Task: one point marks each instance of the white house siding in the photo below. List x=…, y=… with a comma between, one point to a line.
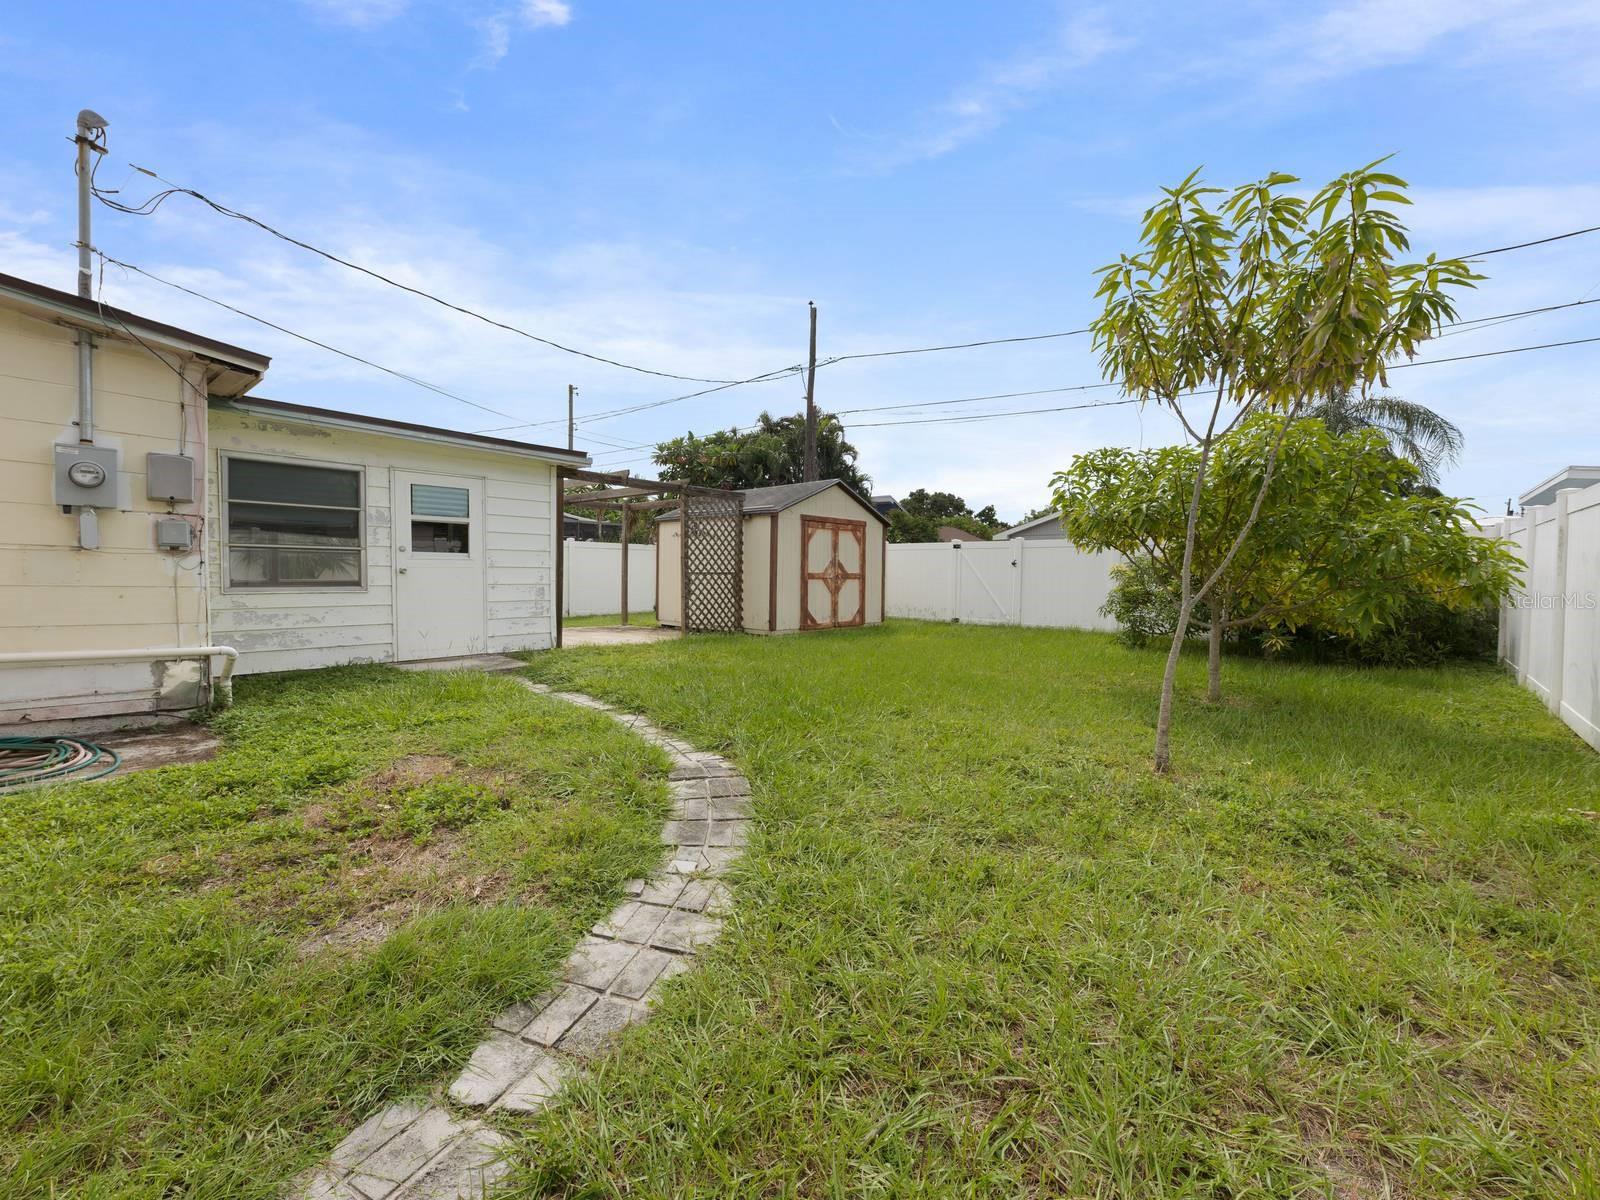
x=290, y=630
x=128, y=595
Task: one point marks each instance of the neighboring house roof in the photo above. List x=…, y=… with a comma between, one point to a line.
x=787, y=495
x=954, y=533
x=1027, y=525
x=423, y=433
x=1567, y=477
x=240, y=368
x=885, y=503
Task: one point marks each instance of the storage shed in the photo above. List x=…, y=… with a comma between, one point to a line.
x=812, y=558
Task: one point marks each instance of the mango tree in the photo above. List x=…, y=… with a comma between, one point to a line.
x=1259, y=300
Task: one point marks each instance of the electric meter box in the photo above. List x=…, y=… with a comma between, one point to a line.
x=169, y=477
x=86, y=475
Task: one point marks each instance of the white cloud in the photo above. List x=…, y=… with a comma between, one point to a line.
x=496, y=29
x=359, y=14
x=538, y=13
x=1365, y=34
x=1008, y=87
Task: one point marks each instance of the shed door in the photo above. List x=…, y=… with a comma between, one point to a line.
x=833, y=572
x=439, y=566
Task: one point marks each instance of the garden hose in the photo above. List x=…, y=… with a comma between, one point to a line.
x=30, y=761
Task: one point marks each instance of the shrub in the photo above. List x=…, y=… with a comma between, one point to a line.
x=1424, y=634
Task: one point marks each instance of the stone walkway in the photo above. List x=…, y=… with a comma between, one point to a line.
x=422, y=1150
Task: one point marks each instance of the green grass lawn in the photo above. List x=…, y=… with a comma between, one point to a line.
x=209, y=973
x=1352, y=948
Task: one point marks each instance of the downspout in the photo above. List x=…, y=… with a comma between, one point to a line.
x=89, y=124
x=85, y=386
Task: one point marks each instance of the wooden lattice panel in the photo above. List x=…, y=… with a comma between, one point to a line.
x=833, y=572
x=713, y=571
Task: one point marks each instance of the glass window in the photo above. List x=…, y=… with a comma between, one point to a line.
x=290, y=525
x=439, y=537
x=451, y=510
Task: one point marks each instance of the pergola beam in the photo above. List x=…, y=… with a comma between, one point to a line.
x=635, y=504
x=652, y=487
x=608, y=495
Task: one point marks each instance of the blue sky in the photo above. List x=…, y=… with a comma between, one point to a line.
x=670, y=183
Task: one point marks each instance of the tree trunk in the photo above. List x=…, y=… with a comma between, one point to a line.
x=1169, y=680
x=1214, y=659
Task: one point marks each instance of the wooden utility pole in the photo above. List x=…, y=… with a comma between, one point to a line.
x=809, y=471
x=571, y=392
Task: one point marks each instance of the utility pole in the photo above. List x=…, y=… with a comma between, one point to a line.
x=571, y=392
x=809, y=472
x=89, y=124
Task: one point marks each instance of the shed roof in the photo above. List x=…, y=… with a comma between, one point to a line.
x=787, y=495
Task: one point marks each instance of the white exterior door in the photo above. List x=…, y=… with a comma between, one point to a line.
x=439, y=566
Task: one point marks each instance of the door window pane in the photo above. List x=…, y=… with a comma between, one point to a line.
x=439, y=537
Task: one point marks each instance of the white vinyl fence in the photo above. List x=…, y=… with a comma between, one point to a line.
x=591, y=581
x=1017, y=582
x=1550, y=631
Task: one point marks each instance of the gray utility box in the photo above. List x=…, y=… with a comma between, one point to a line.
x=174, y=533
x=86, y=475
x=169, y=477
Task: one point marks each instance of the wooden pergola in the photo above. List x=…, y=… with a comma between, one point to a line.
x=630, y=494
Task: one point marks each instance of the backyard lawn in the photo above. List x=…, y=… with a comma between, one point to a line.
x=210, y=973
x=1352, y=948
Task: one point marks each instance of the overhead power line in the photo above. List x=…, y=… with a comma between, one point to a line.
x=1066, y=333
x=1086, y=387
x=149, y=206
x=781, y=373
x=1544, y=241
x=967, y=418
x=309, y=340
x=1033, y=337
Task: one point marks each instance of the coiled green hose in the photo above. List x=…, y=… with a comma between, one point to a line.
x=30, y=761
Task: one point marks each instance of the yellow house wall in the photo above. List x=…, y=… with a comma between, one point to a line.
x=127, y=595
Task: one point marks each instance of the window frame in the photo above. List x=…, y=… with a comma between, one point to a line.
x=225, y=543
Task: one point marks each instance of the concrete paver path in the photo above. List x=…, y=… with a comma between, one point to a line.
x=421, y=1150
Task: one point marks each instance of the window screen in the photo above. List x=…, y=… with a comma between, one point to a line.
x=293, y=526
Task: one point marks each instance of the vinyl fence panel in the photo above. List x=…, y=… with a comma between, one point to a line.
x=591, y=581
x=1014, y=582
x=1550, y=630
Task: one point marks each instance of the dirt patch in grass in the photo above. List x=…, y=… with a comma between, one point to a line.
x=1353, y=1172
